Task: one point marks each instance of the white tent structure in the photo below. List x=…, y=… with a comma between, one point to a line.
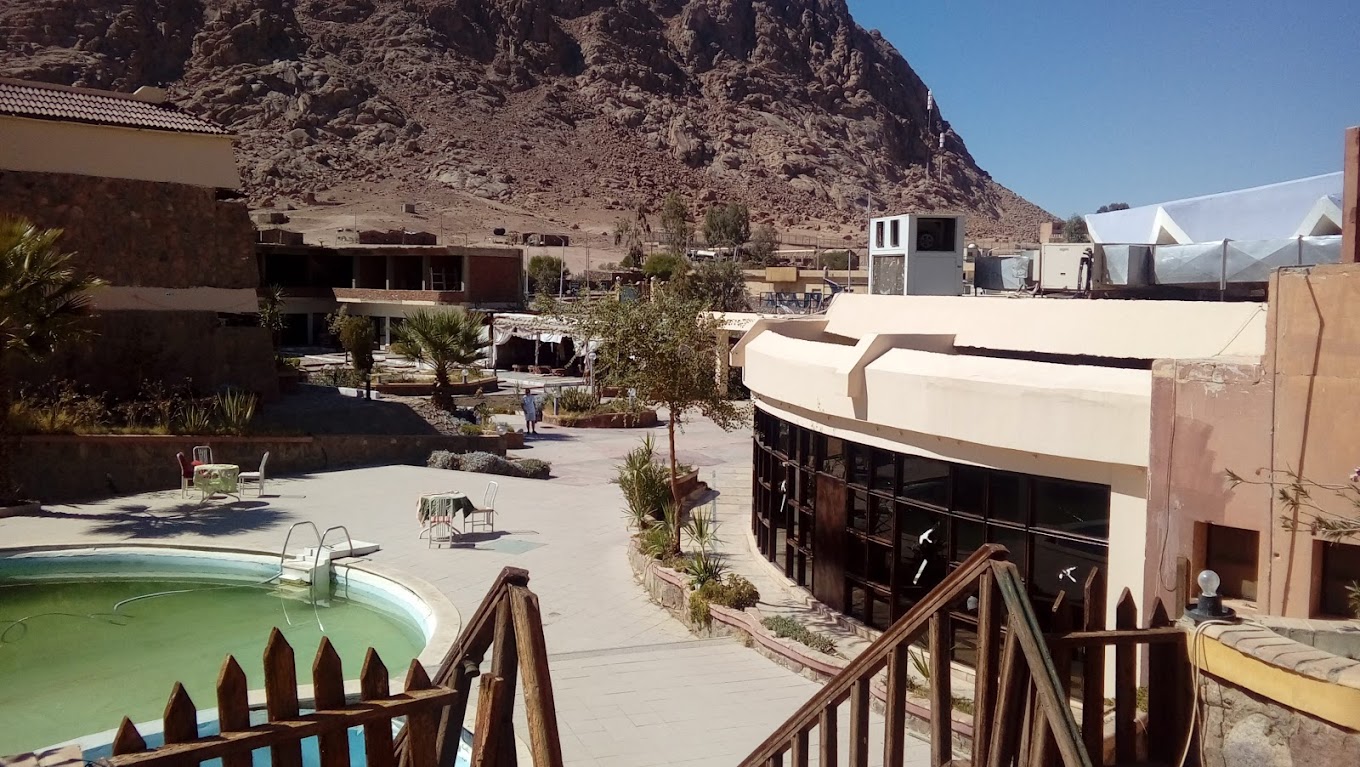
x=1306, y=207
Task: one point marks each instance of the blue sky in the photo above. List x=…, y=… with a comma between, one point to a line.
x=1077, y=104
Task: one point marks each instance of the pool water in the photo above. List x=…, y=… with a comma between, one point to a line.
x=70, y=665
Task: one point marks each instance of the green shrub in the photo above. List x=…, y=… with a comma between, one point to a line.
x=443, y=459
x=785, y=627
x=489, y=463
x=576, y=401
x=734, y=591
x=469, y=430
x=337, y=377
x=645, y=481
x=699, y=614
x=655, y=541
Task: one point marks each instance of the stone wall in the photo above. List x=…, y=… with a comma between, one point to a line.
x=63, y=468
x=130, y=347
x=1242, y=729
x=139, y=233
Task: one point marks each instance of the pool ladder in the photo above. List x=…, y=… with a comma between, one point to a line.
x=313, y=565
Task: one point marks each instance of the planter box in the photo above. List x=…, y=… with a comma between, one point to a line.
x=20, y=509
x=643, y=419
x=688, y=483
x=514, y=440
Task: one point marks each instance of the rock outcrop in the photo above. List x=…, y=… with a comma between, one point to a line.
x=788, y=105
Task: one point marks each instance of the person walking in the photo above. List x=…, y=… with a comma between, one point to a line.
x=532, y=414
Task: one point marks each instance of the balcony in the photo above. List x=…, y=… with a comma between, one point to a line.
x=417, y=297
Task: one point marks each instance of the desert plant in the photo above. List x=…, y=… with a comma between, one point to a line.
x=470, y=430
x=699, y=612
x=43, y=304
x=643, y=481
x=195, y=418
x=705, y=567
x=444, y=339
x=785, y=627
x=702, y=530
x=237, y=410
x=271, y=312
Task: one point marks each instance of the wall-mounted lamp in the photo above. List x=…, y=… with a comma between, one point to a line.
x=1210, y=603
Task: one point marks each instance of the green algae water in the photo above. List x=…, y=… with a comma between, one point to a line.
x=70, y=666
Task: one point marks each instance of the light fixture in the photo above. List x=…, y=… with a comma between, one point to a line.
x=1209, y=606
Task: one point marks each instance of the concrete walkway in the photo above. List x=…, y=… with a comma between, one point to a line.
x=633, y=686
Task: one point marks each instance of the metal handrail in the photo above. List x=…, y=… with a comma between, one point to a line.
x=283, y=553
x=316, y=557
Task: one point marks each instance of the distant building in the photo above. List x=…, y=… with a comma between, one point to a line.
x=146, y=197
x=385, y=282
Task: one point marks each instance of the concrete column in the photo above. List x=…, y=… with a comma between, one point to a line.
x=425, y=272
x=465, y=272
x=1350, y=198
x=310, y=335
x=354, y=277
x=724, y=359
x=391, y=265
x=387, y=322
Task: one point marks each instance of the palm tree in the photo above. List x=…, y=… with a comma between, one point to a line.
x=43, y=302
x=443, y=339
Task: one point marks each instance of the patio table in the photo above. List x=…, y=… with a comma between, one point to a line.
x=435, y=512
x=214, y=478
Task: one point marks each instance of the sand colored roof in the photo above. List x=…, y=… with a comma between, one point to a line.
x=43, y=101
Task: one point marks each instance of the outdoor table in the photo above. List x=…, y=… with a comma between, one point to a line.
x=214, y=478
x=436, y=511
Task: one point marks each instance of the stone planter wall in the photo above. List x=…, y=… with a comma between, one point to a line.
x=60, y=468
x=641, y=420
x=671, y=590
x=426, y=388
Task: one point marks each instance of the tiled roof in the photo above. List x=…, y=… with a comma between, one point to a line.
x=54, y=102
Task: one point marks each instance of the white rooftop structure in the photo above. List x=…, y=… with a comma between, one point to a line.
x=1303, y=207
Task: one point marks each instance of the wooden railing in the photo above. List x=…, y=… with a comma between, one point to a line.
x=1022, y=712
x=507, y=623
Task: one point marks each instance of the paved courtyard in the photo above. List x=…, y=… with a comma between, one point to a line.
x=633, y=686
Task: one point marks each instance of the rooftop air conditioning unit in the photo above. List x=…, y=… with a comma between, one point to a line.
x=916, y=255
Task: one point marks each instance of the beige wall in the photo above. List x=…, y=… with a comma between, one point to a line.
x=228, y=300
x=53, y=146
x=1293, y=411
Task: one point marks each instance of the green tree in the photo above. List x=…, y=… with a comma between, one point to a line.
x=355, y=334
x=271, y=313
x=43, y=305
x=1112, y=207
x=719, y=285
x=665, y=266
x=727, y=226
x=666, y=350
x=675, y=226
x=1074, y=229
x=547, y=273
x=760, y=249
x=628, y=235
x=443, y=339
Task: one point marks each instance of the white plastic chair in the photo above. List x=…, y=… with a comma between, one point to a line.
x=255, y=476
x=203, y=454
x=484, y=516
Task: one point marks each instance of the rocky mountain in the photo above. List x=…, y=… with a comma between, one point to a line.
x=551, y=106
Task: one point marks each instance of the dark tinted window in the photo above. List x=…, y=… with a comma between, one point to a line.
x=924, y=480
x=859, y=465
x=968, y=536
x=970, y=490
x=1008, y=497
x=833, y=460
x=883, y=470
x=859, y=511
x=1063, y=565
x=1340, y=568
x=1072, y=507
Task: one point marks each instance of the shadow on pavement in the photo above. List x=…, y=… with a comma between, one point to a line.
x=139, y=521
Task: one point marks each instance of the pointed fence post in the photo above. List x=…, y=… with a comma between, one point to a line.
x=328, y=689
x=374, y=686
x=233, y=707
x=281, y=698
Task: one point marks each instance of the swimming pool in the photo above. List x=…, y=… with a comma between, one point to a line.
x=90, y=635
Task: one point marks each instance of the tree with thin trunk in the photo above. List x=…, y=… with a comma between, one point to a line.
x=665, y=350
x=43, y=305
x=444, y=339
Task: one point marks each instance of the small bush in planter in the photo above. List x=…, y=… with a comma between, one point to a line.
x=469, y=430
x=534, y=468
x=443, y=459
x=785, y=627
x=734, y=591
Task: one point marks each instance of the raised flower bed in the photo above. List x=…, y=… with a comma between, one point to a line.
x=620, y=420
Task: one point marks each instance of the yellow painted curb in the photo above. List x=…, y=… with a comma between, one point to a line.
x=1333, y=703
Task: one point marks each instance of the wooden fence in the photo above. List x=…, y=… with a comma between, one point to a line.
x=1023, y=714
x=508, y=624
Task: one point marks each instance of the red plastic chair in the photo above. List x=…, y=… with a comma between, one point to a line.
x=186, y=474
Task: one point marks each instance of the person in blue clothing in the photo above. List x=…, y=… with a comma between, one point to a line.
x=532, y=414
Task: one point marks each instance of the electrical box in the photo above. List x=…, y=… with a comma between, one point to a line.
x=916, y=255
x=1060, y=266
